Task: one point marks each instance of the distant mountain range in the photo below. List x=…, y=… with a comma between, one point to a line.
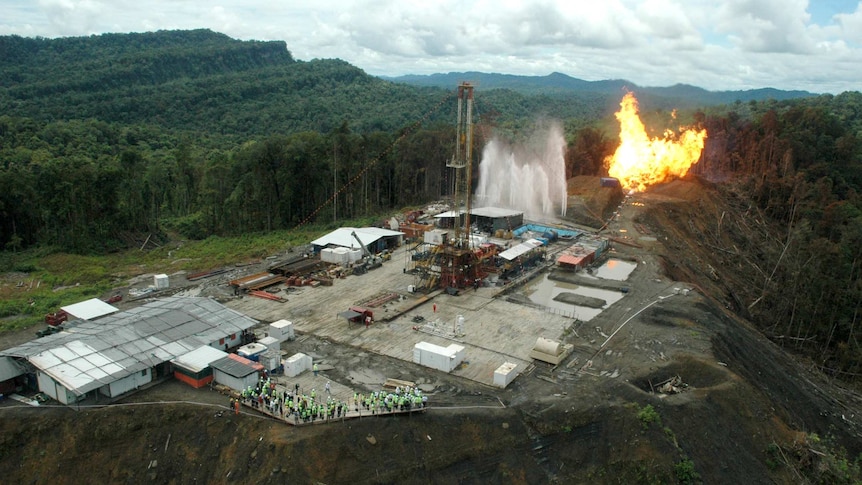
x=558, y=84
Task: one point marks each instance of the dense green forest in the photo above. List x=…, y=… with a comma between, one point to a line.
x=108, y=137
x=204, y=82
x=194, y=131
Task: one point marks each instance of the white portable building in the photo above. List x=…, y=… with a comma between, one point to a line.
x=90, y=309
x=270, y=360
x=436, y=236
x=296, y=364
x=282, y=330
x=271, y=343
x=505, y=374
x=445, y=359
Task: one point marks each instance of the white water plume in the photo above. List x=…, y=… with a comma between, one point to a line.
x=530, y=177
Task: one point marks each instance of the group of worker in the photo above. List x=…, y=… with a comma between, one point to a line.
x=263, y=396
x=306, y=409
x=403, y=399
x=309, y=407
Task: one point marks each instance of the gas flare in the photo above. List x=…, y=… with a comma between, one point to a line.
x=640, y=161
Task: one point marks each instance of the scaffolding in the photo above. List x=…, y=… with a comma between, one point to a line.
x=449, y=266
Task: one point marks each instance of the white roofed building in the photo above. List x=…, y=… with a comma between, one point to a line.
x=121, y=352
x=374, y=239
x=194, y=368
x=90, y=309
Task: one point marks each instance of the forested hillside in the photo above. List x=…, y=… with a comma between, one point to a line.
x=204, y=82
x=196, y=81
x=195, y=131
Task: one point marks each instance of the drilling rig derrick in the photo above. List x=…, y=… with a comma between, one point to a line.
x=455, y=264
x=462, y=162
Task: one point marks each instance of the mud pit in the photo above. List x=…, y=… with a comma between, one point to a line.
x=694, y=374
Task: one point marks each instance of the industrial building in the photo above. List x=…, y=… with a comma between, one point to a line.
x=89, y=309
x=375, y=239
x=583, y=253
x=490, y=220
x=236, y=372
x=194, y=367
x=494, y=219
x=118, y=353
x=526, y=254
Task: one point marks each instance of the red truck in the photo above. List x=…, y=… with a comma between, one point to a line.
x=56, y=318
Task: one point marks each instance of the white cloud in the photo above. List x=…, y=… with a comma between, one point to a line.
x=851, y=25
x=767, y=25
x=729, y=44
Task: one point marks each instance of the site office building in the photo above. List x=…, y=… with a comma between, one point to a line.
x=114, y=354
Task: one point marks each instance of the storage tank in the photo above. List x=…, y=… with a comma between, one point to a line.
x=547, y=346
x=550, y=351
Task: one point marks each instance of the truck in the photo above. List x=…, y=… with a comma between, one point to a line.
x=56, y=318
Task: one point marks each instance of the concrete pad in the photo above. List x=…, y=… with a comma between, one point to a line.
x=495, y=330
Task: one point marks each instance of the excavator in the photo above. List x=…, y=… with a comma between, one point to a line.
x=369, y=261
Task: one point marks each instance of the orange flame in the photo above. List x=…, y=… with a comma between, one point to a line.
x=640, y=161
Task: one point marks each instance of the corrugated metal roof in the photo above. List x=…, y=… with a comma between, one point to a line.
x=90, y=309
x=9, y=369
x=520, y=249
x=495, y=212
x=199, y=359
x=236, y=366
x=343, y=236
x=87, y=355
x=482, y=212
x=572, y=259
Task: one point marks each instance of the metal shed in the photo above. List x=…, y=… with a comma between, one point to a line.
x=194, y=368
x=375, y=239
x=236, y=372
x=492, y=219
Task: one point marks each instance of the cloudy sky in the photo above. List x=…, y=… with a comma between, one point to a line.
x=814, y=45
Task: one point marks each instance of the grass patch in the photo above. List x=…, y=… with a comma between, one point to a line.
x=27, y=307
